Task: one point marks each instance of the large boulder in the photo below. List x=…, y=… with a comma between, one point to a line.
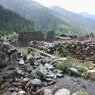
x=63, y=91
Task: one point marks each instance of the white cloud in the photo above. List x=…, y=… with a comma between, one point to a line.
x=72, y=5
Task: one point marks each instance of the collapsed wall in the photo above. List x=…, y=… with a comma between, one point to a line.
x=25, y=37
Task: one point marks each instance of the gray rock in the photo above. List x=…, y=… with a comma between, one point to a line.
x=62, y=91
x=48, y=66
x=55, y=71
x=22, y=93
x=50, y=76
x=19, y=72
x=14, y=93
x=21, y=61
x=41, y=72
x=59, y=75
x=48, y=91
x=7, y=93
x=73, y=71
x=33, y=85
x=29, y=69
x=36, y=82
x=91, y=73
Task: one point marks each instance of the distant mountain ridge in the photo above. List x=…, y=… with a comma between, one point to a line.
x=87, y=15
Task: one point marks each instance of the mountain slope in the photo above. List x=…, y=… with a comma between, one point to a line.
x=82, y=24
x=54, y=18
x=43, y=17
x=12, y=22
x=31, y=10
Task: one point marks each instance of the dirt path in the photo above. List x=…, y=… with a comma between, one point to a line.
x=75, y=84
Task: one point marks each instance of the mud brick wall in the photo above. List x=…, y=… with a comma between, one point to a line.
x=25, y=37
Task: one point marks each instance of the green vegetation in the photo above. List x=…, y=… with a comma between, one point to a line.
x=12, y=22
x=81, y=93
x=55, y=18
x=64, y=65
x=83, y=67
x=25, y=51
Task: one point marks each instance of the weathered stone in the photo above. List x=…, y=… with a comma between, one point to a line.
x=7, y=93
x=62, y=91
x=22, y=93
x=59, y=75
x=91, y=73
x=34, y=85
x=73, y=71
x=14, y=93
x=25, y=79
x=48, y=91
x=48, y=66
x=28, y=68
x=20, y=72
x=21, y=61
x=41, y=72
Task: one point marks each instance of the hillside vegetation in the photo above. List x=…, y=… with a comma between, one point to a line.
x=54, y=18
x=12, y=22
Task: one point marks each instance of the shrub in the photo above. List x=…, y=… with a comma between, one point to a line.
x=64, y=65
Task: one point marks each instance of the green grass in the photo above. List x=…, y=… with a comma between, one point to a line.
x=75, y=63
x=83, y=67
x=25, y=49
x=81, y=93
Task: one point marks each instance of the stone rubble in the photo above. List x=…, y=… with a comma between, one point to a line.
x=22, y=74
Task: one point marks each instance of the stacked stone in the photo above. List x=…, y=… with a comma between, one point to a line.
x=22, y=74
x=79, y=50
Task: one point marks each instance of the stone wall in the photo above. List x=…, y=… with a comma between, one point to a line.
x=25, y=37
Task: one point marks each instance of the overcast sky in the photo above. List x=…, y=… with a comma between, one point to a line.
x=72, y=5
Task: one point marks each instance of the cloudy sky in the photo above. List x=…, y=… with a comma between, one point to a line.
x=72, y=5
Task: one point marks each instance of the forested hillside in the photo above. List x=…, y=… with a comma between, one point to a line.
x=43, y=17
x=54, y=18
x=78, y=22
x=12, y=22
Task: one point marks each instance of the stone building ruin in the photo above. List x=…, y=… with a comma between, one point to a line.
x=25, y=37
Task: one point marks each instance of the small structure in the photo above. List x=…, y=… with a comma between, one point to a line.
x=25, y=37
x=50, y=36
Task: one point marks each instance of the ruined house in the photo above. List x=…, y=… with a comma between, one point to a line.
x=25, y=37
x=50, y=36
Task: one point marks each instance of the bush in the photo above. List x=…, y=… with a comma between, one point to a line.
x=64, y=65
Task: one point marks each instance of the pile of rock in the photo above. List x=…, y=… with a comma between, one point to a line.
x=22, y=74
x=79, y=50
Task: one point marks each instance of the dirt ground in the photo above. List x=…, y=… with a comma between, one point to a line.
x=76, y=84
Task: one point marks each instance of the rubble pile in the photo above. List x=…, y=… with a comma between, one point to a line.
x=42, y=45
x=22, y=74
x=79, y=50
x=26, y=74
